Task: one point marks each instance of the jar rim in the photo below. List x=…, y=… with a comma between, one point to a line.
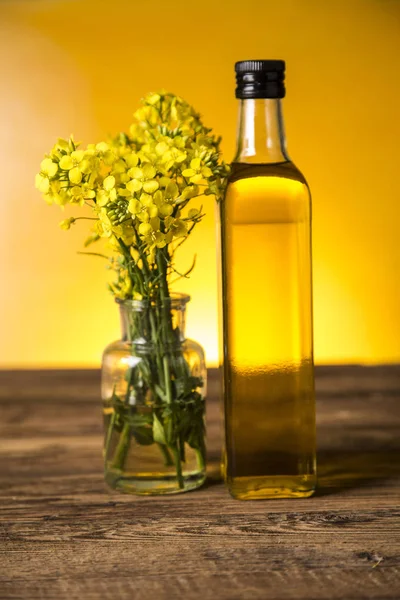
x=176, y=300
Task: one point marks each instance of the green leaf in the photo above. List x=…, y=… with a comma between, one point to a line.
x=158, y=431
x=160, y=392
x=143, y=435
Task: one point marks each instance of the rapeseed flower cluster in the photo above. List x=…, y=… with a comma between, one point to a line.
x=144, y=187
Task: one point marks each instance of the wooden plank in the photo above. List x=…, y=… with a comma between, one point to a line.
x=64, y=535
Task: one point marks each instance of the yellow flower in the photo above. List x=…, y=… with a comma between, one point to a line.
x=140, y=184
x=48, y=167
x=66, y=163
x=63, y=145
x=134, y=206
x=81, y=193
x=179, y=228
x=172, y=191
x=109, y=183
x=189, y=192
x=103, y=227
x=131, y=159
x=165, y=210
x=75, y=175
x=164, y=206
x=143, y=178
x=144, y=228
x=197, y=173
x=159, y=239
x=66, y=224
x=42, y=183
x=172, y=156
x=102, y=147
x=153, y=98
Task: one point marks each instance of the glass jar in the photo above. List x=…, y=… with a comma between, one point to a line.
x=153, y=391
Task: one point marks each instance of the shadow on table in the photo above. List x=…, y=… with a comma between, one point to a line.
x=339, y=470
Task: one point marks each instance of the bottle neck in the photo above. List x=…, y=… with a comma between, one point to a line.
x=148, y=324
x=261, y=134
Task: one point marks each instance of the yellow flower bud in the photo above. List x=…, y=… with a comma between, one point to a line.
x=193, y=212
x=63, y=144
x=66, y=224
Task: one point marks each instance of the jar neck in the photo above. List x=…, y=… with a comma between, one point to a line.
x=261, y=134
x=147, y=324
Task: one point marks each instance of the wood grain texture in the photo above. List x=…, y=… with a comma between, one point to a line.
x=64, y=535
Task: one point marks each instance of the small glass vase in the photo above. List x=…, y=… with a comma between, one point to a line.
x=153, y=392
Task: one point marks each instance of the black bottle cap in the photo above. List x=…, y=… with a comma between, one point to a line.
x=260, y=79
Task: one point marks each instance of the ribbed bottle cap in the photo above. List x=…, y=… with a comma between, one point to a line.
x=260, y=79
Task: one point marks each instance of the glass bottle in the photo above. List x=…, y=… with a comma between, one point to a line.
x=154, y=441
x=267, y=333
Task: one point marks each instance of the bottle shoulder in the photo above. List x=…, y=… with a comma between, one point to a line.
x=193, y=346
x=118, y=346
x=285, y=170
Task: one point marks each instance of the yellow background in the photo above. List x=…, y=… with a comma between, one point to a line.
x=81, y=67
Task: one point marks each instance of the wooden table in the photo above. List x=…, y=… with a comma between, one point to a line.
x=65, y=536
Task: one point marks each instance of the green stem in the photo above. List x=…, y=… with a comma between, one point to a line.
x=122, y=448
x=201, y=458
x=162, y=259
x=167, y=379
x=109, y=434
x=166, y=454
x=167, y=385
x=178, y=466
